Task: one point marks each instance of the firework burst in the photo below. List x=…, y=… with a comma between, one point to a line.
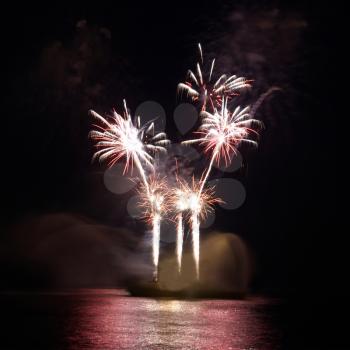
x=222, y=132
x=188, y=198
x=119, y=137
x=204, y=91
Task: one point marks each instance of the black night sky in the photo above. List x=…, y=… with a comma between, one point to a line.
x=62, y=60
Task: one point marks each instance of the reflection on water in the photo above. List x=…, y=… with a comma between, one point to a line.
x=109, y=319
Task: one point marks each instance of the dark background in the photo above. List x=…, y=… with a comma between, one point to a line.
x=61, y=60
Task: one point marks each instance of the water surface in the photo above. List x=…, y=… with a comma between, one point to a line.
x=110, y=319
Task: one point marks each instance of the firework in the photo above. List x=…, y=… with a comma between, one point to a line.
x=155, y=243
x=122, y=138
x=180, y=203
x=179, y=239
x=207, y=92
x=188, y=198
x=119, y=137
x=222, y=132
x=154, y=206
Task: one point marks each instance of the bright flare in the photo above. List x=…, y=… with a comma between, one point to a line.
x=207, y=93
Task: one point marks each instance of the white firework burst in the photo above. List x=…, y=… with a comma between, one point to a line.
x=206, y=92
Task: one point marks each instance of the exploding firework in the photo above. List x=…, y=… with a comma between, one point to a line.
x=204, y=91
x=154, y=207
x=121, y=138
x=222, y=132
x=188, y=198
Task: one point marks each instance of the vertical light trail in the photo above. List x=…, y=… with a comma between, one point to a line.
x=179, y=240
x=153, y=201
x=155, y=241
x=189, y=198
x=195, y=239
x=156, y=219
x=195, y=217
